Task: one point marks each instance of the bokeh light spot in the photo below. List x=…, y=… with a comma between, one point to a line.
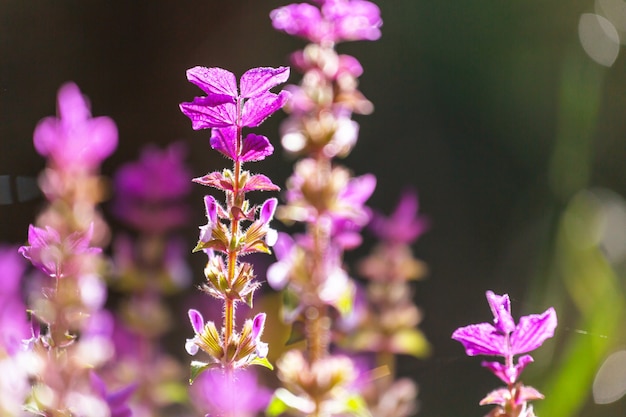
x=599, y=38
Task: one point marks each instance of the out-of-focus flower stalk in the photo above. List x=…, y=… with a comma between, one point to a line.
x=149, y=197
x=325, y=197
x=386, y=324
x=73, y=292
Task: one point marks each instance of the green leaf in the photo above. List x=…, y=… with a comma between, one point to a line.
x=291, y=301
x=198, y=367
x=262, y=362
x=173, y=392
x=297, y=333
x=276, y=407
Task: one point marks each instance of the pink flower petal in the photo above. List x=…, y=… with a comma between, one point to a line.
x=197, y=321
x=257, y=81
x=259, y=182
x=224, y=141
x=259, y=108
x=255, y=148
x=480, y=339
x=213, y=80
x=501, y=309
x=532, y=331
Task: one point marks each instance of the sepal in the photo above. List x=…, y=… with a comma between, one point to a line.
x=197, y=368
x=262, y=362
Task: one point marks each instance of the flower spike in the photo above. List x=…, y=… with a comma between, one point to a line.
x=505, y=338
x=237, y=227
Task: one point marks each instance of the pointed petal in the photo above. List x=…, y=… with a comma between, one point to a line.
x=215, y=179
x=257, y=81
x=197, y=321
x=255, y=148
x=38, y=237
x=532, y=331
x=97, y=384
x=258, y=323
x=213, y=80
x=259, y=108
x=480, y=339
x=224, y=140
x=121, y=396
x=267, y=210
x=259, y=182
x=359, y=189
x=499, y=396
x=501, y=308
x=211, y=209
x=528, y=394
x=72, y=105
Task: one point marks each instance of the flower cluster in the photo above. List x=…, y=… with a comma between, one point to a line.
x=506, y=339
x=227, y=110
x=334, y=21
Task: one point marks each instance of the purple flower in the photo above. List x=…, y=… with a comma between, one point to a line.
x=258, y=324
x=404, y=225
x=253, y=147
x=13, y=320
x=150, y=192
x=56, y=256
x=505, y=338
x=235, y=393
x=350, y=204
x=334, y=21
x=75, y=140
x=279, y=272
x=211, y=207
x=118, y=400
x=248, y=347
x=226, y=107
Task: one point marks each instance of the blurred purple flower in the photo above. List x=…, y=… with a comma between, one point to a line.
x=404, y=225
x=75, y=140
x=117, y=401
x=334, y=21
x=278, y=273
x=505, y=338
x=56, y=256
x=13, y=320
x=235, y=393
x=150, y=192
x=344, y=65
